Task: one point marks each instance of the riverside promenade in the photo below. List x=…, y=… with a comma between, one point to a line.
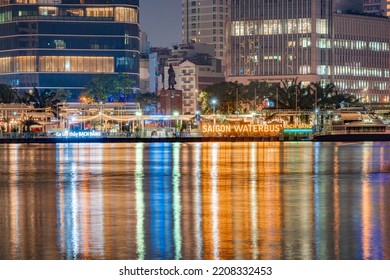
x=98, y=137
x=48, y=140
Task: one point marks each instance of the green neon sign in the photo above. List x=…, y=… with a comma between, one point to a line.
x=297, y=130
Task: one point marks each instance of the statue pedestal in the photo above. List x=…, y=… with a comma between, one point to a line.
x=171, y=100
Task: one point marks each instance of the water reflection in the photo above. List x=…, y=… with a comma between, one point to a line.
x=195, y=201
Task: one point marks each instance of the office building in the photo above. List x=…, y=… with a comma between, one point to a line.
x=204, y=21
x=377, y=7
x=318, y=40
x=64, y=43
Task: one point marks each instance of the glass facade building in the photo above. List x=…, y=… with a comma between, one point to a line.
x=314, y=40
x=204, y=21
x=64, y=43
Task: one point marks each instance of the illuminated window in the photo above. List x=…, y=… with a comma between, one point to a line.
x=17, y=64
x=322, y=26
x=99, y=12
x=126, y=14
x=48, y=11
x=60, y=44
x=76, y=64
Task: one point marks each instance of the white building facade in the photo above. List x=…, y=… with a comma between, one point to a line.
x=378, y=7
x=312, y=40
x=204, y=21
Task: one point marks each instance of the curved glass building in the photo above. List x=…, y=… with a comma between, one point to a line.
x=64, y=43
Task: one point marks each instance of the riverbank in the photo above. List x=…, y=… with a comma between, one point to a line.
x=53, y=140
x=352, y=137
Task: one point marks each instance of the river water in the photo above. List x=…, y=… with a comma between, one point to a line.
x=234, y=201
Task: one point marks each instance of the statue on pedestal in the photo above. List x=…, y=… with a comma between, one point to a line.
x=171, y=77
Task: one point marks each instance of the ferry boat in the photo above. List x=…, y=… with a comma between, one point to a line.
x=347, y=125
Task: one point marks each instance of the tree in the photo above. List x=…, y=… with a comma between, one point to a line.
x=255, y=92
x=27, y=123
x=46, y=98
x=287, y=95
x=226, y=95
x=104, y=88
x=148, y=101
x=329, y=97
x=8, y=94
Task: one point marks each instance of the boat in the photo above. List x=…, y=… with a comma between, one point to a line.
x=347, y=125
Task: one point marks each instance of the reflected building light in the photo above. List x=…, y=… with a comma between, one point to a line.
x=14, y=200
x=176, y=201
x=214, y=199
x=198, y=202
x=253, y=201
x=60, y=199
x=67, y=205
x=74, y=211
x=336, y=199
x=367, y=211
x=139, y=201
x=97, y=229
x=382, y=202
x=317, y=206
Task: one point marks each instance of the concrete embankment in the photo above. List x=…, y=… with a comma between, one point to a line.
x=148, y=140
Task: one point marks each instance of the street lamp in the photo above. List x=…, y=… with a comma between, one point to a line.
x=176, y=114
x=214, y=102
x=196, y=99
x=138, y=128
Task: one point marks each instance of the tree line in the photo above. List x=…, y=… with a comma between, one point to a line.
x=231, y=97
x=234, y=97
x=101, y=88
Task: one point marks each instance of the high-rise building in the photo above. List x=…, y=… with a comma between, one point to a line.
x=204, y=21
x=64, y=43
x=378, y=7
x=312, y=40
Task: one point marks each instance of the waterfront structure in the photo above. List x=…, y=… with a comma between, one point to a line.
x=204, y=21
x=326, y=41
x=195, y=69
x=377, y=7
x=70, y=115
x=64, y=43
x=12, y=117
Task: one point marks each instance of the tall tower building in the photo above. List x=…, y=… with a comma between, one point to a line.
x=204, y=21
x=378, y=7
x=312, y=40
x=64, y=43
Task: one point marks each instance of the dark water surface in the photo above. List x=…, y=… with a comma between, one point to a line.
x=195, y=201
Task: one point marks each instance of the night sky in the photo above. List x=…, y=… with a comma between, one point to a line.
x=161, y=20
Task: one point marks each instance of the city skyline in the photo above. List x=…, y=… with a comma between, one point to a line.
x=170, y=20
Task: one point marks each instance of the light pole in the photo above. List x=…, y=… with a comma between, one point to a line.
x=176, y=114
x=214, y=102
x=137, y=130
x=255, y=100
x=296, y=105
x=196, y=100
x=237, y=100
x=315, y=110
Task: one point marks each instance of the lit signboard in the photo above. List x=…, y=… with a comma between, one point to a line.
x=79, y=134
x=250, y=129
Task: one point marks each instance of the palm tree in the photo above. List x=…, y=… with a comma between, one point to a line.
x=288, y=95
x=8, y=94
x=46, y=98
x=27, y=123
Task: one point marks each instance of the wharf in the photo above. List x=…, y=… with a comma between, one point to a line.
x=54, y=140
